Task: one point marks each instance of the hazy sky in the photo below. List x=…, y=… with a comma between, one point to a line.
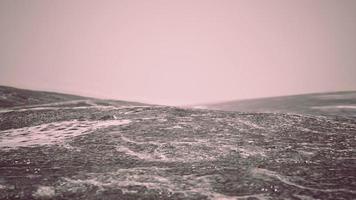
x=179, y=51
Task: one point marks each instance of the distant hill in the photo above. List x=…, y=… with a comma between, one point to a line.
x=13, y=97
x=332, y=103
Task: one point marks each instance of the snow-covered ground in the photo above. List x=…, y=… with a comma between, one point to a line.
x=52, y=133
x=88, y=149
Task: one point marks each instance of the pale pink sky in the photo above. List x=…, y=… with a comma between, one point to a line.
x=179, y=51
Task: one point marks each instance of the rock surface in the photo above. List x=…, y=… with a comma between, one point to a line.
x=159, y=152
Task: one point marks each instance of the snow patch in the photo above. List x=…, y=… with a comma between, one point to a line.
x=200, y=107
x=52, y=133
x=334, y=107
x=249, y=123
x=44, y=192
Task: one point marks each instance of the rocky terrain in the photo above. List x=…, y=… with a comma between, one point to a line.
x=95, y=149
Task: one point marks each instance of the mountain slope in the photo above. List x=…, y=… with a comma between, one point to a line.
x=334, y=103
x=12, y=97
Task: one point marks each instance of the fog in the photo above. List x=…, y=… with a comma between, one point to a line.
x=181, y=51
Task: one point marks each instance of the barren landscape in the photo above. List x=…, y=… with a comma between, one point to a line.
x=85, y=148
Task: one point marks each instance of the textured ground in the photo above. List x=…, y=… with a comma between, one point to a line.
x=86, y=150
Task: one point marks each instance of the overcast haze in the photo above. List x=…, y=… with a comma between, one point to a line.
x=179, y=52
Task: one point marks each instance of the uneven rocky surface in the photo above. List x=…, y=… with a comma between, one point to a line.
x=96, y=151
